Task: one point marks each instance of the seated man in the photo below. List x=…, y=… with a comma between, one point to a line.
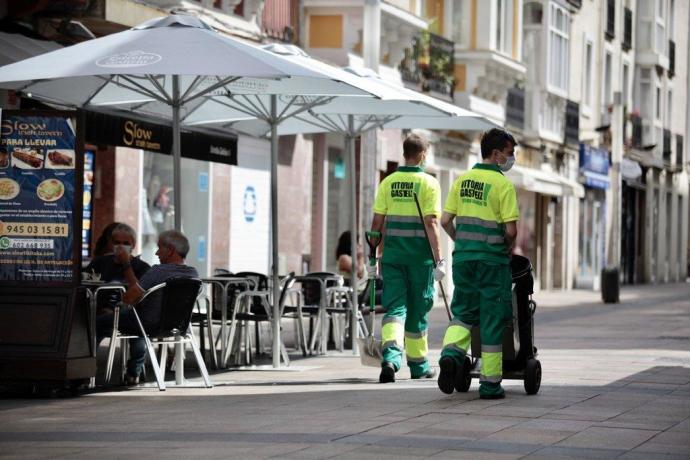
x=172, y=250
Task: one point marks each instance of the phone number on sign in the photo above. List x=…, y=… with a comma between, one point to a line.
x=21, y=243
x=26, y=229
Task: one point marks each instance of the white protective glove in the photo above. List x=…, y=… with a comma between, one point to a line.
x=440, y=270
x=372, y=270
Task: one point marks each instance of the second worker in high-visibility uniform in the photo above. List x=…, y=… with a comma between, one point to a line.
x=483, y=204
x=407, y=264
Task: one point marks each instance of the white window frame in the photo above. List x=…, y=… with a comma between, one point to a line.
x=660, y=26
x=503, y=26
x=558, y=87
x=588, y=75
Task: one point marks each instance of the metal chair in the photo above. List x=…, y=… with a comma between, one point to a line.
x=177, y=297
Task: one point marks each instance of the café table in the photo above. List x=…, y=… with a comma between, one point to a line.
x=93, y=288
x=224, y=283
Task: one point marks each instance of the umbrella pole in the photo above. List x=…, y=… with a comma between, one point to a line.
x=350, y=148
x=177, y=160
x=274, y=230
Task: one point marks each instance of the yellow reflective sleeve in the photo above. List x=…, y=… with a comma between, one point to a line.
x=430, y=202
x=509, y=207
x=451, y=205
x=380, y=205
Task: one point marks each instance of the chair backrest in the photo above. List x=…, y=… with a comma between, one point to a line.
x=178, y=300
x=288, y=282
x=260, y=284
x=221, y=272
x=312, y=289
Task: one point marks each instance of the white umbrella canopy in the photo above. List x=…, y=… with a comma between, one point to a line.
x=168, y=68
x=396, y=107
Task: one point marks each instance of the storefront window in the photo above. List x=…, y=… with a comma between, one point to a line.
x=526, y=244
x=157, y=211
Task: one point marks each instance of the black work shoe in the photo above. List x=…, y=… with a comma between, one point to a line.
x=428, y=375
x=387, y=373
x=446, y=378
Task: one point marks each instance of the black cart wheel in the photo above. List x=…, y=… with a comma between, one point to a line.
x=532, y=376
x=464, y=380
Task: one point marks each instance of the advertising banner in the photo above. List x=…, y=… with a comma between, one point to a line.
x=37, y=196
x=88, y=200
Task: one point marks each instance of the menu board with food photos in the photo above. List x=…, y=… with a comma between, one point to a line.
x=37, y=184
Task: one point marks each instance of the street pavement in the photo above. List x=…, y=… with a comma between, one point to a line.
x=616, y=384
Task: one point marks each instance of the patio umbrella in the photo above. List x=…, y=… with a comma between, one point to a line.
x=400, y=108
x=168, y=67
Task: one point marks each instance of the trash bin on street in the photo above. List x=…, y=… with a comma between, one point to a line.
x=610, y=285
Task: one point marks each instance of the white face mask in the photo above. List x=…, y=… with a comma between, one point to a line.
x=505, y=167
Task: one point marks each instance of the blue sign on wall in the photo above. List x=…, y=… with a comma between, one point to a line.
x=249, y=204
x=594, y=166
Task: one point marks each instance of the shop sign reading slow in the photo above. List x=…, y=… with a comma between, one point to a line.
x=37, y=183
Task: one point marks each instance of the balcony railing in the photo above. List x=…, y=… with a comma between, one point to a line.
x=627, y=29
x=636, y=122
x=572, y=123
x=666, y=152
x=430, y=64
x=671, y=58
x=279, y=19
x=515, y=108
x=610, y=19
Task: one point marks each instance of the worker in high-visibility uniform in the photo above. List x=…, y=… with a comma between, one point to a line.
x=483, y=204
x=407, y=264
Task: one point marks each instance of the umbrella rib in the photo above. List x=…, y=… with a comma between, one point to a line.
x=259, y=109
x=211, y=88
x=162, y=90
x=192, y=86
x=326, y=119
x=240, y=107
x=137, y=88
x=98, y=91
x=318, y=101
x=320, y=124
x=292, y=101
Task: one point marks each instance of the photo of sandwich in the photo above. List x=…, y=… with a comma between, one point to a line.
x=27, y=159
x=50, y=190
x=9, y=188
x=4, y=159
x=60, y=159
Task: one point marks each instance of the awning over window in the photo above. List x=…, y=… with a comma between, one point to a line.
x=544, y=182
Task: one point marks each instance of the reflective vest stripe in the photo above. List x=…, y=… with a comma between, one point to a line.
x=492, y=348
x=492, y=364
x=458, y=336
x=392, y=333
x=474, y=236
x=405, y=233
x=408, y=219
x=416, y=348
x=477, y=221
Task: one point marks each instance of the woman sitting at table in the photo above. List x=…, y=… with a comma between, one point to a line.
x=107, y=267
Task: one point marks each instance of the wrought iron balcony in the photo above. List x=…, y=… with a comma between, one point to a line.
x=572, y=123
x=627, y=29
x=666, y=152
x=430, y=64
x=610, y=19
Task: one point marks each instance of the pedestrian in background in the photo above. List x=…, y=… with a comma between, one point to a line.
x=483, y=204
x=407, y=265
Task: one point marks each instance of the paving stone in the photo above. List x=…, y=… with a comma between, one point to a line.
x=668, y=442
x=608, y=438
x=558, y=452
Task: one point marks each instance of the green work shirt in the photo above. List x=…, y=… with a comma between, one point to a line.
x=405, y=242
x=483, y=200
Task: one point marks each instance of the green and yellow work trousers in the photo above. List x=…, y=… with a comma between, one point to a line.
x=408, y=295
x=482, y=297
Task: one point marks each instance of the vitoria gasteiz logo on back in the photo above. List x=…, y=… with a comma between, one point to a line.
x=136, y=58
